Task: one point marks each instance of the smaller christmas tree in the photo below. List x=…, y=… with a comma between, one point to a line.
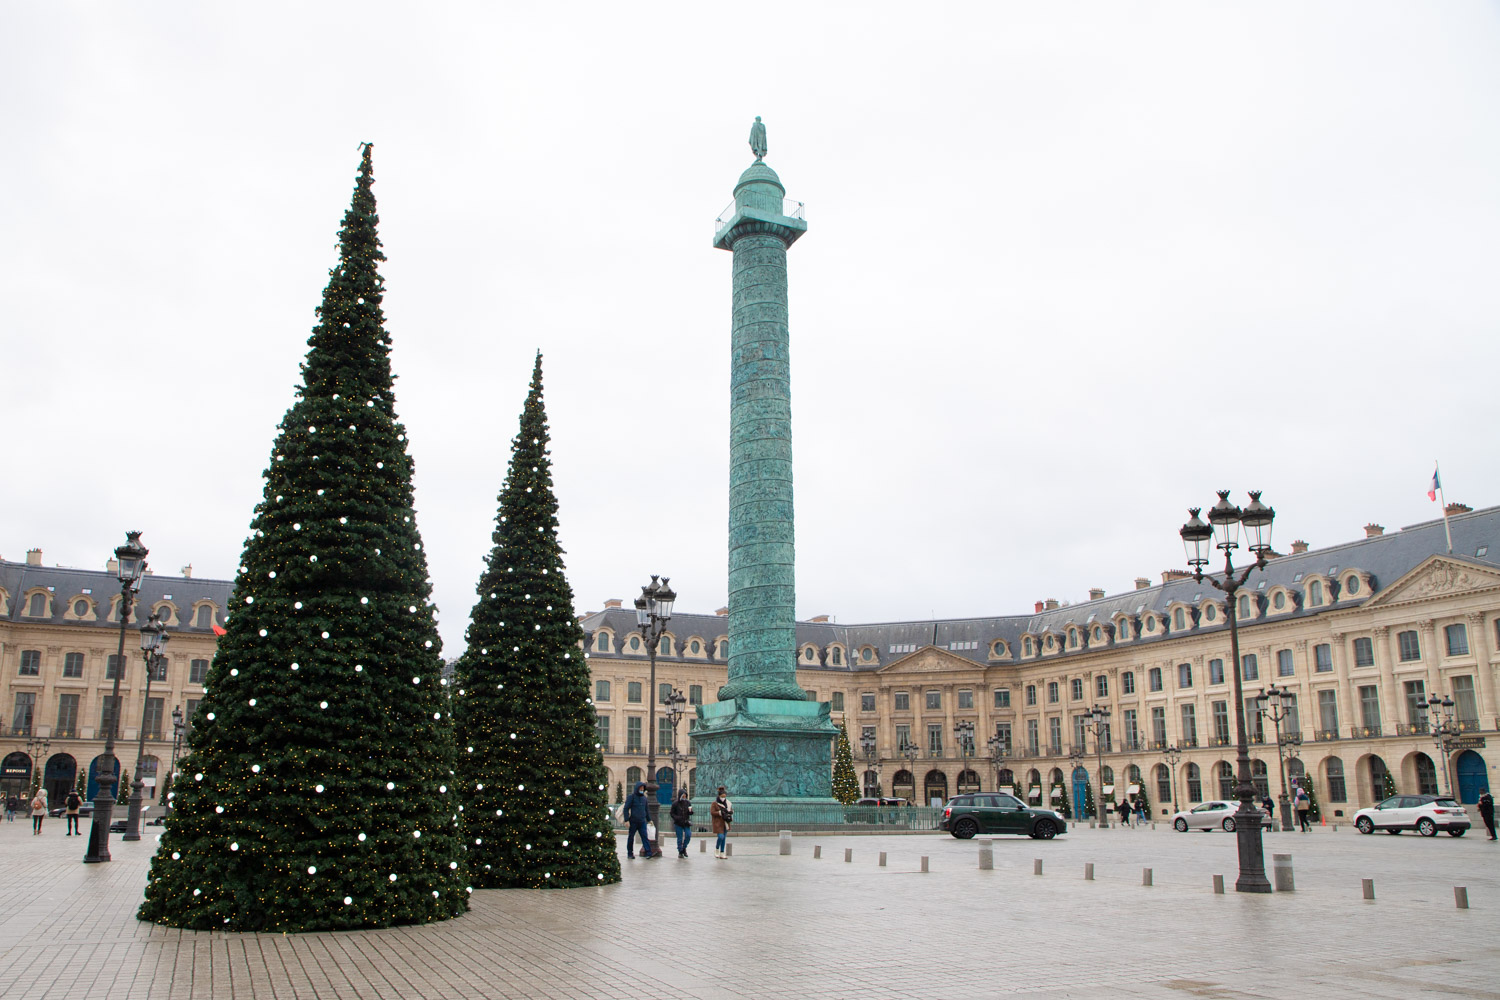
x=1063, y=805
x=1314, y=814
x=1387, y=785
x=845, y=782
x=619, y=793
x=1088, y=799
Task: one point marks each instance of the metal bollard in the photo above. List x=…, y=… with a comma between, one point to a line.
x=702, y=847
x=1461, y=897
x=882, y=859
x=728, y=849
x=1368, y=885
x=1218, y=885
x=1092, y=824
x=1036, y=866
x=1088, y=872
x=1281, y=872
x=786, y=842
x=1145, y=876
x=924, y=862
x=987, y=856
x=848, y=855
x=817, y=850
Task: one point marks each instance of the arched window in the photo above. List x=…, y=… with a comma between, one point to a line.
x=1049, y=642
x=1295, y=769
x=205, y=618
x=834, y=656
x=1260, y=778
x=1426, y=775
x=1033, y=777
x=37, y=607
x=1122, y=629
x=1132, y=775
x=664, y=648
x=1163, y=783
x=1056, y=777
x=1107, y=775
x=1244, y=606
x=1073, y=638
x=1026, y=645
x=1194, y=783
x=1098, y=634
x=1315, y=593
x=1336, y=790
x=632, y=777
x=601, y=642
x=1179, y=620
x=1226, y=780
x=1006, y=777
x=723, y=649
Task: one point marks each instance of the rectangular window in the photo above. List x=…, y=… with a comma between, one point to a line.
x=1457, y=638
x=1031, y=694
x=198, y=672
x=1328, y=711
x=811, y=695
x=1101, y=686
x=866, y=735
x=903, y=738
x=1054, y=735
x=1416, y=701
x=695, y=694
x=601, y=690
x=73, y=665
x=159, y=668
x=966, y=699
x=1159, y=725
x=111, y=667
x=1292, y=724
x=1163, y=785
x=1464, y=705
x=1132, y=731
x=1221, y=722
x=837, y=701
x=1249, y=667
x=108, y=715
x=1189, y=725
x=1002, y=731
x=633, y=692
x=67, y=715
x=935, y=740
x=20, y=722
x=1411, y=647
x=1184, y=675
x=633, y=734
x=1080, y=730
x=1322, y=658
x=1194, y=783
x=1127, y=682
x=1255, y=723
x=1153, y=679
x=664, y=734
x=1052, y=692
x=663, y=693
x=601, y=732
x=867, y=702
x=1216, y=671
x=1002, y=697
x=903, y=701
x=152, y=721
x=192, y=709
x=31, y=662
x=934, y=700
x=1032, y=743
x=1336, y=789
x=1369, y=707
x=1077, y=688
x=1364, y=652
x=1284, y=666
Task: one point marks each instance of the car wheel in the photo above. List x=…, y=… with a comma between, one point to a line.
x=1228, y=824
x=1180, y=825
x=1457, y=833
x=1045, y=829
x=1363, y=825
x=964, y=829
x=1426, y=827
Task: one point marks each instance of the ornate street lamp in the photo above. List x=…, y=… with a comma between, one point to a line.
x=653, y=609
x=675, y=712
x=871, y=753
x=131, y=561
x=999, y=753
x=1172, y=756
x=1276, y=703
x=1443, y=725
x=911, y=752
x=36, y=749
x=1227, y=520
x=153, y=640
x=178, y=725
x=1097, y=723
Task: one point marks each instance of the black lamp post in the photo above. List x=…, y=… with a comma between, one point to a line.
x=131, y=561
x=871, y=753
x=36, y=749
x=999, y=752
x=675, y=712
x=1172, y=755
x=1097, y=723
x=1276, y=703
x=177, y=727
x=653, y=609
x=911, y=752
x=1227, y=520
x=153, y=640
x=1443, y=725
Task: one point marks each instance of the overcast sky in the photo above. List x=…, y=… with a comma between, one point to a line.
x=1068, y=269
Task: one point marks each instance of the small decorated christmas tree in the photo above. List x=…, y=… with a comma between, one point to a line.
x=531, y=773
x=1088, y=800
x=1387, y=785
x=845, y=782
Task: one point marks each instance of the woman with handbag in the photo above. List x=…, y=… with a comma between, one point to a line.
x=682, y=819
x=722, y=813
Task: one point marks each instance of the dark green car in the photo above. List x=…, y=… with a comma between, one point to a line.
x=996, y=812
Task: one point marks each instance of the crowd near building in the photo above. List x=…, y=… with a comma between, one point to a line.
x=1360, y=635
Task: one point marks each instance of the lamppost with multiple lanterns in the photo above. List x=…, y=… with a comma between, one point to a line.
x=1096, y=721
x=675, y=712
x=1172, y=756
x=1226, y=521
x=178, y=727
x=999, y=753
x=653, y=609
x=1443, y=726
x=911, y=752
x=963, y=738
x=36, y=749
x=153, y=641
x=1277, y=703
x=871, y=753
x=130, y=560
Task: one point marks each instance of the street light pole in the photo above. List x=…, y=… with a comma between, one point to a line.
x=675, y=701
x=1173, y=756
x=1274, y=702
x=131, y=562
x=1441, y=725
x=911, y=752
x=1227, y=520
x=963, y=736
x=177, y=727
x=653, y=609
x=153, y=640
x=871, y=752
x=1095, y=722
x=999, y=751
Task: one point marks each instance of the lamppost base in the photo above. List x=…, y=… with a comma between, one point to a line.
x=1287, y=823
x=1251, y=854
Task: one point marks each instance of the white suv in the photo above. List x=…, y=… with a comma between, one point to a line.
x=1426, y=814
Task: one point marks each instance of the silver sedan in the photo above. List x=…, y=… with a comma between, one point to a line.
x=1218, y=814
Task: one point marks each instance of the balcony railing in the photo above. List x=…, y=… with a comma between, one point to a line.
x=65, y=733
x=1188, y=742
x=1468, y=725
x=19, y=731
x=1364, y=732
x=1220, y=741
x=1325, y=735
x=1411, y=729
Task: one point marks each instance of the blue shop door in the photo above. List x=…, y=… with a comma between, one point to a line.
x=1080, y=778
x=93, y=786
x=664, y=781
x=1470, y=769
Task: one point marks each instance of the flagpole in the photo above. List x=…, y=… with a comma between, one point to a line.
x=1438, y=475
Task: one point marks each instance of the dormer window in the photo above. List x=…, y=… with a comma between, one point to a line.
x=1122, y=629
x=80, y=608
x=1351, y=585
x=1098, y=634
x=1179, y=620
x=1314, y=594
x=1244, y=611
x=998, y=649
x=1073, y=638
x=1210, y=613
x=601, y=642
x=1151, y=623
x=809, y=654
x=1026, y=645
x=1049, y=642
x=36, y=607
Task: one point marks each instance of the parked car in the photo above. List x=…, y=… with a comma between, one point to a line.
x=1426, y=814
x=995, y=812
x=881, y=802
x=87, y=809
x=1217, y=814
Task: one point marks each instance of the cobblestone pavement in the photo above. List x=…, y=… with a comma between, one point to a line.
x=764, y=926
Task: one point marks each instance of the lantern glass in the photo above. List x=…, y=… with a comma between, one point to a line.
x=1225, y=518
x=1257, y=519
x=665, y=598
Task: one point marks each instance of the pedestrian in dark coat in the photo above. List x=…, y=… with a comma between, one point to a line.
x=682, y=822
x=1124, y=810
x=1487, y=810
x=637, y=816
x=73, y=802
x=722, y=814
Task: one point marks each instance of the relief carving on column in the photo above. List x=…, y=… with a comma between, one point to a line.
x=1301, y=646
x=1475, y=618
x=1381, y=631
x=1427, y=627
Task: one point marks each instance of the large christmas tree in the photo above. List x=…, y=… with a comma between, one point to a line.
x=532, y=778
x=317, y=793
x=845, y=782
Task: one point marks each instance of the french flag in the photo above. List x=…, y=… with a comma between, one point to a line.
x=1432, y=490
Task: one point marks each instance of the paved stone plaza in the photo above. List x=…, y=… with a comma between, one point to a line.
x=765, y=926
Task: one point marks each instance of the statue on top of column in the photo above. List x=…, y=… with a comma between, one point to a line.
x=758, y=139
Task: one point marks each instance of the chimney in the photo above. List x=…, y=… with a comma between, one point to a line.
x=819, y=619
x=112, y=566
x=1373, y=530
x=722, y=612
x=1040, y=606
x=1457, y=508
x=1168, y=575
x=1298, y=547
x=187, y=571
x=1052, y=604
x=1095, y=593
x=33, y=557
x=613, y=602
x=1141, y=583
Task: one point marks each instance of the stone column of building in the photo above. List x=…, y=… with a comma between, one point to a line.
x=1479, y=642
x=1343, y=699
x=1432, y=658
x=1390, y=695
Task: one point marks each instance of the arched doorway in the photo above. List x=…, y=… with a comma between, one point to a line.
x=15, y=775
x=935, y=788
x=1469, y=768
x=1194, y=783
x=59, y=777
x=1080, y=787
x=903, y=786
x=1260, y=779
x=632, y=778
x=666, y=783
x=1006, y=780
x=148, y=768
x=1426, y=774
x=1378, y=777
x=1057, y=790
x=1225, y=771
x=1033, y=791
x=93, y=786
x=968, y=781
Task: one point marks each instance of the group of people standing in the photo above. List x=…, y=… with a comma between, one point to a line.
x=72, y=804
x=1301, y=803
x=637, y=817
x=1132, y=811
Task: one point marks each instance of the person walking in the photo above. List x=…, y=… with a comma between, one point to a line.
x=1487, y=810
x=11, y=805
x=1304, y=810
x=722, y=814
x=1270, y=809
x=73, y=803
x=1124, y=810
x=38, y=813
x=682, y=822
x=1140, y=812
x=637, y=817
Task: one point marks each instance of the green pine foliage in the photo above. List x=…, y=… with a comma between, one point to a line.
x=533, y=781
x=317, y=793
x=845, y=782
x=1089, y=812
x=619, y=793
x=1387, y=786
x=1314, y=814
x=1060, y=802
